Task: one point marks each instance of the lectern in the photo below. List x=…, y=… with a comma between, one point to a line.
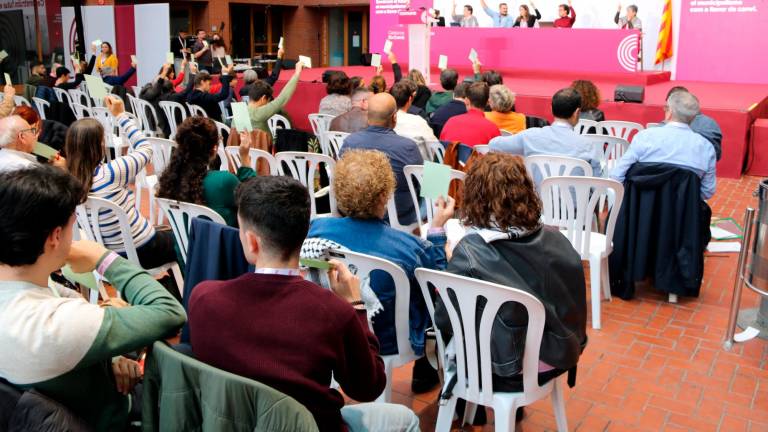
x=419, y=31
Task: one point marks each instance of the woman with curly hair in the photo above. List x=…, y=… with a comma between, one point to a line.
x=590, y=100
x=507, y=244
x=188, y=176
x=363, y=183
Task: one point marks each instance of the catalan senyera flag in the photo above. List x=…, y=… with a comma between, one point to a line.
x=664, y=47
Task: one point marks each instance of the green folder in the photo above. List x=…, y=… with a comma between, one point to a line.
x=45, y=151
x=435, y=181
x=240, y=117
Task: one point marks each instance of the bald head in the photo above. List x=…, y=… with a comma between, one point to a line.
x=10, y=128
x=382, y=110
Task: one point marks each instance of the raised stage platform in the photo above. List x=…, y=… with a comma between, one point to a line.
x=734, y=106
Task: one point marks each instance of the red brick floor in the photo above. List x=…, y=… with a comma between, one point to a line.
x=656, y=366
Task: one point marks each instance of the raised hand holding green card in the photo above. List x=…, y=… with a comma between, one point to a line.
x=435, y=181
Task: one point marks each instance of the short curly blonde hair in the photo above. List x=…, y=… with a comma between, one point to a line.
x=501, y=98
x=360, y=180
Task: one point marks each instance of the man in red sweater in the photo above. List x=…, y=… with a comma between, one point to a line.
x=279, y=329
x=472, y=128
x=567, y=16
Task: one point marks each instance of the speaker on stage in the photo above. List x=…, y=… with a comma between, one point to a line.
x=627, y=93
x=365, y=59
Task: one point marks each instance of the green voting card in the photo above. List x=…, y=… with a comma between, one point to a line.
x=240, y=118
x=314, y=263
x=169, y=57
x=435, y=181
x=8, y=79
x=84, y=279
x=45, y=151
x=95, y=87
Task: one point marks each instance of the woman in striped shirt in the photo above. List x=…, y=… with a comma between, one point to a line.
x=111, y=181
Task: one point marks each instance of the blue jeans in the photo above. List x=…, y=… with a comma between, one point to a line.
x=379, y=417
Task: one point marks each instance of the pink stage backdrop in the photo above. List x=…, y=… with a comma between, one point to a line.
x=723, y=43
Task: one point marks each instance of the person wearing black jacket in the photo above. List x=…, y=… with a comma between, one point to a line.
x=526, y=19
x=398, y=72
x=161, y=89
x=202, y=97
x=62, y=78
x=271, y=79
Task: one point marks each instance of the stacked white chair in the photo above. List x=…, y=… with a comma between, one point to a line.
x=170, y=109
x=180, y=215
x=304, y=167
x=569, y=204
x=365, y=265
x=234, y=155
x=472, y=336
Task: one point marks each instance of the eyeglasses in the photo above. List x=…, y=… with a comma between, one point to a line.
x=32, y=129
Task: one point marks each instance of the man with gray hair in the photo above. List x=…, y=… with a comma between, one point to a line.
x=356, y=119
x=674, y=143
x=17, y=140
x=630, y=20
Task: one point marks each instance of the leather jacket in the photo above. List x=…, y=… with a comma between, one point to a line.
x=542, y=263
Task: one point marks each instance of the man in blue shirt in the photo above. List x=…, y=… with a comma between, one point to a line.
x=704, y=125
x=559, y=139
x=380, y=135
x=500, y=18
x=674, y=143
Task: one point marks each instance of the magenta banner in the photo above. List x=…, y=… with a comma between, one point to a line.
x=723, y=41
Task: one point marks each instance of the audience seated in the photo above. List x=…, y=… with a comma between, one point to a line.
x=111, y=180
x=590, y=100
x=674, y=143
x=423, y=93
x=471, y=128
x=261, y=324
x=37, y=75
x=380, y=135
x=502, y=113
x=490, y=77
x=378, y=85
x=250, y=76
x=337, y=101
x=704, y=125
x=452, y=108
x=188, y=176
x=49, y=132
x=17, y=141
x=62, y=77
x=201, y=97
x=262, y=105
x=559, y=139
x=356, y=119
x=363, y=184
x=448, y=80
x=162, y=89
x=52, y=339
x=508, y=245
x=410, y=125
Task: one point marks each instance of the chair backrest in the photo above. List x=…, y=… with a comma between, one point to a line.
x=21, y=100
x=413, y=175
x=135, y=109
x=170, y=109
x=472, y=333
x=584, y=125
x=540, y=167
x=88, y=219
x=62, y=95
x=482, y=149
x=223, y=130
x=610, y=149
x=438, y=151
x=320, y=123
x=144, y=110
x=333, y=142
x=40, y=106
x=621, y=129
x=80, y=97
x=80, y=111
x=108, y=123
x=162, y=150
x=362, y=266
x=394, y=221
x=180, y=214
x=245, y=98
x=196, y=110
x=303, y=167
x=650, y=125
x=570, y=204
x=275, y=122
x=234, y=154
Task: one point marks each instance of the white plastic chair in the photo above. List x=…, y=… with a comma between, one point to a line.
x=438, y=151
x=363, y=265
x=473, y=372
x=620, y=129
x=62, y=95
x=482, y=149
x=111, y=140
x=225, y=115
x=569, y=204
x=80, y=97
x=80, y=111
x=394, y=221
x=40, y=106
x=136, y=90
x=320, y=123
x=333, y=142
x=196, y=110
x=21, y=100
x=584, y=125
x=610, y=149
x=223, y=129
x=417, y=172
x=88, y=220
x=275, y=122
x=303, y=167
x=233, y=152
x=144, y=110
x=180, y=214
x=170, y=108
x=540, y=167
x=245, y=99
x=161, y=156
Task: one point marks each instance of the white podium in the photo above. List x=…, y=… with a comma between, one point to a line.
x=419, y=33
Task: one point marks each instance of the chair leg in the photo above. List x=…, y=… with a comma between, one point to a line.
x=179, y=278
x=558, y=405
x=386, y=395
x=504, y=413
x=445, y=415
x=605, y=279
x=594, y=286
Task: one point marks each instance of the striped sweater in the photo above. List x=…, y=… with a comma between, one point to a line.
x=111, y=181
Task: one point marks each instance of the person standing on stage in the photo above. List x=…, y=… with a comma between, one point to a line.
x=526, y=19
x=500, y=18
x=630, y=20
x=567, y=16
x=201, y=51
x=466, y=20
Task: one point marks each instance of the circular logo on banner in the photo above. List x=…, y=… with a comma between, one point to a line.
x=627, y=53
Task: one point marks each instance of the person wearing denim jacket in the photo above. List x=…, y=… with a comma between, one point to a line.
x=363, y=183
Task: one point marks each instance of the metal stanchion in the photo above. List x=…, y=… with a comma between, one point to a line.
x=738, y=285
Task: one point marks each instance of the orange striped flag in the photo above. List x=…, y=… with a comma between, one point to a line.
x=664, y=47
